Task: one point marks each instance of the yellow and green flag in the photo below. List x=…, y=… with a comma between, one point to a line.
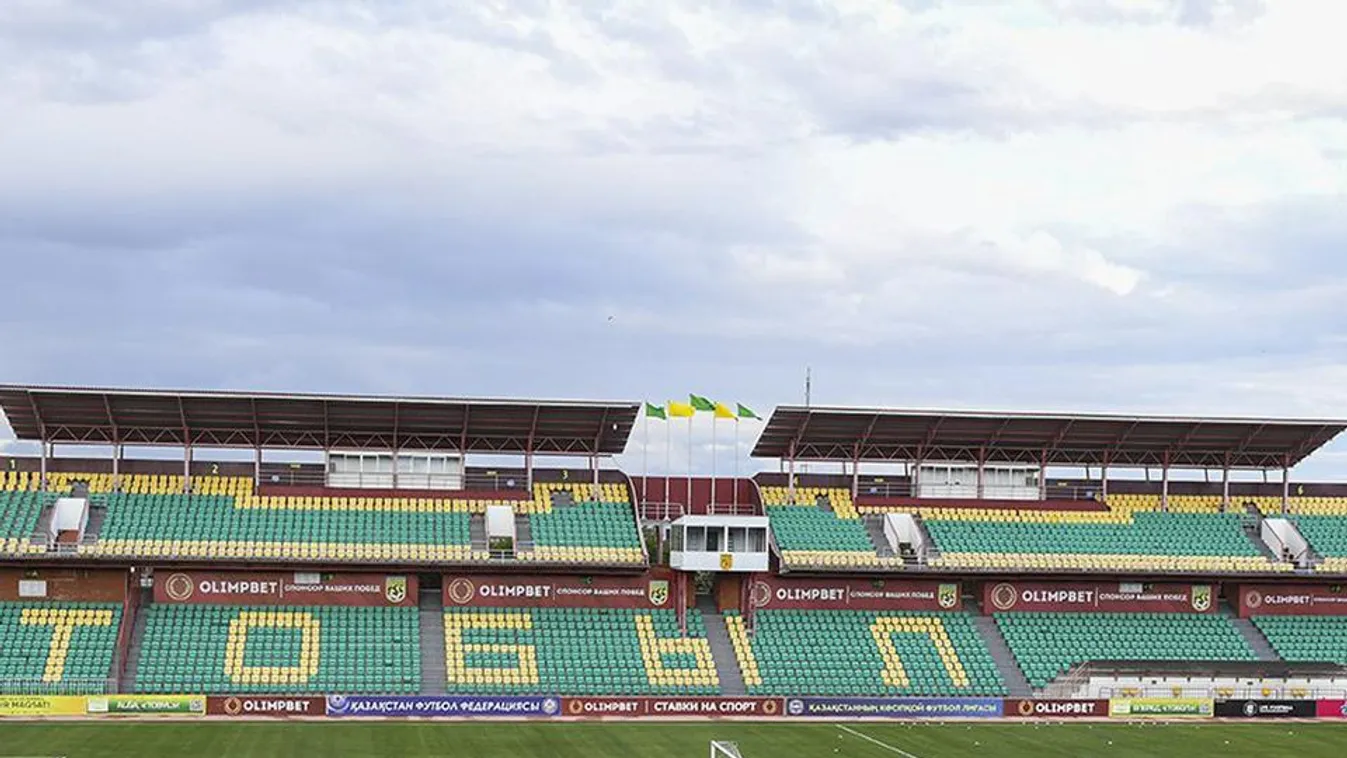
x=700, y=403
x=681, y=410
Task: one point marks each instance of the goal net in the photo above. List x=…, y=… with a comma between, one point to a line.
x=721, y=749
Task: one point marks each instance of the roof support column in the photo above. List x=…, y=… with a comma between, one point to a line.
x=1286, y=488
x=42, y=467
x=117, y=467
x=528, y=470
x=1164, y=485
x=1043, y=475
x=395, y=467
x=594, y=464
x=790, y=477
x=187, y=469
x=855, y=472
x=1103, y=477
x=257, y=470
x=1225, y=486
x=982, y=474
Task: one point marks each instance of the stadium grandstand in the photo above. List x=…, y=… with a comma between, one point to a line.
x=372, y=546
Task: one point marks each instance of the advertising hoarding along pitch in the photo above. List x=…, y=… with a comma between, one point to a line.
x=147, y=705
x=672, y=707
x=1265, y=709
x=528, y=591
x=41, y=705
x=1160, y=708
x=897, y=708
x=1097, y=597
x=448, y=706
x=252, y=706
x=1331, y=709
x=782, y=593
x=1055, y=709
x=1291, y=600
x=284, y=588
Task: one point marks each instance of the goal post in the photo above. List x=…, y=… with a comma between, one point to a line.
x=721, y=749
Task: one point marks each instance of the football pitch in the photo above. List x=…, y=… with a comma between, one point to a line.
x=664, y=740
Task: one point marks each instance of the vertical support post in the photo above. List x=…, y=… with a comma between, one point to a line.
x=117, y=467
x=981, y=487
x=42, y=466
x=187, y=469
x=790, y=481
x=396, y=464
x=856, y=473
x=914, y=476
x=1225, y=488
x=1286, y=489
x=1164, y=485
x=1043, y=475
x=528, y=470
x=257, y=469
x=1103, y=478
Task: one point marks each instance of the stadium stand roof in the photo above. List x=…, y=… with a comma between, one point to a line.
x=315, y=421
x=821, y=433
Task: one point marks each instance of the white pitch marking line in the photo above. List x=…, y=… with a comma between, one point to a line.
x=868, y=738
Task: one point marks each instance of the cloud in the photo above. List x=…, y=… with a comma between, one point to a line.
x=1038, y=203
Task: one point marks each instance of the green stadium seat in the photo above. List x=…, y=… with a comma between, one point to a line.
x=57, y=648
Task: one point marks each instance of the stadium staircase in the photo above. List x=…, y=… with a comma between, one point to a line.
x=1261, y=647
x=126, y=681
x=477, y=533
x=722, y=650
x=1253, y=529
x=523, y=534
x=434, y=676
x=932, y=549
x=98, y=513
x=1017, y=685
x=42, y=532
x=874, y=526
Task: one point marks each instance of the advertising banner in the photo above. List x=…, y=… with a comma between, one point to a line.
x=449, y=706
x=1331, y=709
x=41, y=705
x=250, y=706
x=899, y=708
x=284, y=588
x=1266, y=709
x=1291, y=600
x=528, y=591
x=88, y=585
x=146, y=705
x=1056, y=709
x=781, y=593
x=1096, y=597
x=1160, y=708
x=673, y=707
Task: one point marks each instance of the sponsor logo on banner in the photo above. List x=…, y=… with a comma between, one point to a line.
x=1004, y=596
x=672, y=707
x=42, y=705
x=1201, y=597
x=281, y=707
x=462, y=591
x=395, y=589
x=1293, y=600
x=726, y=561
x=658, y=592
x=179, y=587
x=449, y=706
x=1331, y=709
x=899, y=708
x=1056, y=709
x=147, y=705
x=948, y=596
x=1266, y=709
x=1158, y=707
x=866, y=594
x=1253, y=599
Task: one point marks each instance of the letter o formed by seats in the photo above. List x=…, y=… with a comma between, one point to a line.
x=310, y=648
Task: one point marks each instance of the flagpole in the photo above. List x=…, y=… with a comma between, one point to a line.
x=714, y=424
x=668, y=462
x=689, y=503
x=645, y=460
x=736, y=465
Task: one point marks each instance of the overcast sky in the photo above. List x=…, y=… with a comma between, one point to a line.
x=1112, y=205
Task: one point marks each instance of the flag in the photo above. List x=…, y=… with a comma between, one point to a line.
x=723, y=411
x=655, y=411
x=700, y=403
x=680, y=410
x=746, y=412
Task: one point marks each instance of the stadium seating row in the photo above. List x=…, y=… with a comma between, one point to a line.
x=48, y=648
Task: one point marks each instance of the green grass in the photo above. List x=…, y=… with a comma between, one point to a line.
x=656, y=740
